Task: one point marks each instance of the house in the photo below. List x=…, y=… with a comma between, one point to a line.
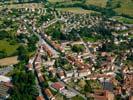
x=82, y=73
x=41, y=49
x=61, y=74
x=68, y=93
x=38, y=66
x=128, y=82
x=4, y=79
x=49, y=52
x=57, y=46
x=67, y=79
x=4, y=90
x=40, y=98
x=40, y=77
x=58, y=86
x=101, y=95
x=118, y=90
x=29, y=66
x=49, y=94
x=131, y=98
x=37, y=59
x=52, y=71
x=69, y=73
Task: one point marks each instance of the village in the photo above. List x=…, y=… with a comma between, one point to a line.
x=68, y=63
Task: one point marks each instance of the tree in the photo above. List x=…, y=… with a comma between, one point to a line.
x=24, y=85
x=33, y=39
x=78, y=48
x=3, y=34
x=56, y=34
x=2, y=54
x=22, y=53
x=87, y=88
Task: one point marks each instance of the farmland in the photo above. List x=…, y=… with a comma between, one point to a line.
x=76, y=10
x=9, y=61
x=101, y=3
x=125, y=6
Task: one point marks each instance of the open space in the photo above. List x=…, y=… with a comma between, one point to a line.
x=25, y=5
x=123, y=19
x=9, y=61
x=126, y=6
x=101, y=3
x=9, y=49
x=76, y=10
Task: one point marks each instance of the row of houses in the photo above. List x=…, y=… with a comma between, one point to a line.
x=5, y=87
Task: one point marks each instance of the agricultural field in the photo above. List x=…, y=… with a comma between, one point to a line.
x=25, y=5
x=54, y=1
x=126, y=6
x=76, y=10
x=9, y=61
x=64, y=2
x=101, y=3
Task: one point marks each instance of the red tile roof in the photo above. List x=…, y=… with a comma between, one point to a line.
x=41, y=79
x=40, y=98
x=48, y=93
x=57, y=85
x=49, y=52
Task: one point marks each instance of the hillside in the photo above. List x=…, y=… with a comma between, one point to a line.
x=119, y=6
x=126, y=6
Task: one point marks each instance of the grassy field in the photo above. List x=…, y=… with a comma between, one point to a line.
x=64, y=2
x=101, y=3
x=25, y=5
x=54, y=1
x=123, y=19
x=126, y=6
x=9, y=61
x=76, y=10
x=9, y=49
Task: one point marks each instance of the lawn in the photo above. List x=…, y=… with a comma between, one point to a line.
x=101, y=3
x=9, y=49
x=76, y=10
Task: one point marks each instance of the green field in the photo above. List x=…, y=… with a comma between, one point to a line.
x=123, y=19
x=76, y=10
x=101, y=3
x=25, y=5
x=54, y=1
x=61, y=1
x=9, y=49
x=126, y=6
